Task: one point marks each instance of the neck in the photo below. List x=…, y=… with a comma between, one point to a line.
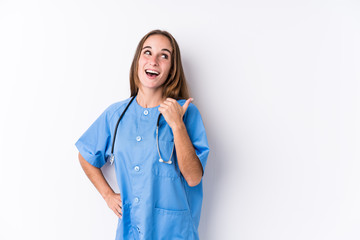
x=148, y=98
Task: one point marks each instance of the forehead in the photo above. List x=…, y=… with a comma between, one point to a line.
x=158, y=42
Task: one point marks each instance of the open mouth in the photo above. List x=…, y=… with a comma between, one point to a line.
x=151, y=73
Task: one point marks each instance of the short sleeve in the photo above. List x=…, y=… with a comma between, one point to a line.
x=95, y=141
x=196, y=130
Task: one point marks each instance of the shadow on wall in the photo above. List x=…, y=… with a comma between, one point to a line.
x=213, y=170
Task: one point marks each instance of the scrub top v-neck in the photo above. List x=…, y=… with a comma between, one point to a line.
x=157, y=201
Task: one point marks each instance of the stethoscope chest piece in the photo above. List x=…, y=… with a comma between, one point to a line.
x=111, y=158
x=168, y=162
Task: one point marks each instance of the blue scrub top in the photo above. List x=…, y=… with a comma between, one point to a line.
x=157, y=201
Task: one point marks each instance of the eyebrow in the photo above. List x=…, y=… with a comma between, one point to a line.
x=164, y=49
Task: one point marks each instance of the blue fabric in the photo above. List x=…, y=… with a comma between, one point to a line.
x=157, y=201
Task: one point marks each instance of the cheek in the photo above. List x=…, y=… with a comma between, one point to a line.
x=140, y=62
x=140, y=65
x=167, y=68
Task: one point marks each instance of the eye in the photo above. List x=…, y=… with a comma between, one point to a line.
x=164, y=56
x=147, y=52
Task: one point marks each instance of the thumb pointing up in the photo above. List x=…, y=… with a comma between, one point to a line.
x=186, y=104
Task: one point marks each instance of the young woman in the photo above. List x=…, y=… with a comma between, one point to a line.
x=158, y=143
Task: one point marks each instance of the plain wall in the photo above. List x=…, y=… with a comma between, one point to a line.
x=276, y=82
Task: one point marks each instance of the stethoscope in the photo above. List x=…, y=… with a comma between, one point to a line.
x=111, y=157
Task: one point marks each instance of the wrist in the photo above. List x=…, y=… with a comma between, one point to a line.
x=107, y=193
x=178, y=127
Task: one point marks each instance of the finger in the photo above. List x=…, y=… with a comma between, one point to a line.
x=164, y=105
x=167, y=103
x=118, y=209
x=186, y=104
x=161, y=110
x=118, y=201
x=117, y=196
x=170, y=100
x=117, y=213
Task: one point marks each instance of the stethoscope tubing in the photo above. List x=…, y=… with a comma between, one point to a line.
x=112, y=157
x=117, y=124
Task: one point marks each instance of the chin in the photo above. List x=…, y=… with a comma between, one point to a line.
x=151, y=84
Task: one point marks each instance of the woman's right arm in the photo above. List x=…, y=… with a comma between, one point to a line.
x=95, y=175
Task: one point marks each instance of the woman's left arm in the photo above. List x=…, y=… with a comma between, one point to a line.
x=189, y=163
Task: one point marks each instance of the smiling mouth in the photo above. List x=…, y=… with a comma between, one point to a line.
x=151, y=73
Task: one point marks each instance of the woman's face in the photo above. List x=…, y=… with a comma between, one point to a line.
x=154, y=62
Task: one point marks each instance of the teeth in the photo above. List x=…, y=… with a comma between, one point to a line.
x=151, y=71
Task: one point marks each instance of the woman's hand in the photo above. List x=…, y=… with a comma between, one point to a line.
x=113, y=200
x=95, y=175
x=187, y=160
x=173, y=112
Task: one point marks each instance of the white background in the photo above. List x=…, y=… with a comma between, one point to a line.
x=277, y=84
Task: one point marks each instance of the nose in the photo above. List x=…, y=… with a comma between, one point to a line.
x=153, y=61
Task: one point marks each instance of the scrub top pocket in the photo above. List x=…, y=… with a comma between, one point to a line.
x=172, y=224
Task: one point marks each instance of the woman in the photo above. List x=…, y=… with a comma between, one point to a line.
x=158, y=171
